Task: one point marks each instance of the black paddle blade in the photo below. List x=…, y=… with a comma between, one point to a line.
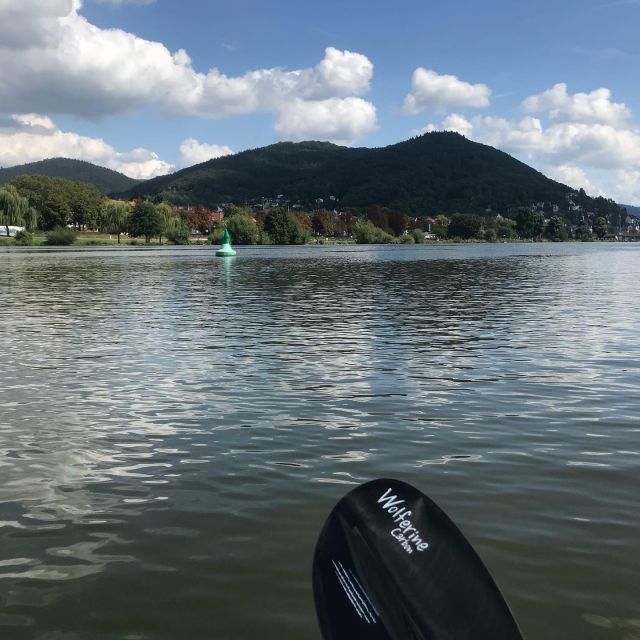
x=390, y=565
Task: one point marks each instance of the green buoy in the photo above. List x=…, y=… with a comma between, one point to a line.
x=225, y=248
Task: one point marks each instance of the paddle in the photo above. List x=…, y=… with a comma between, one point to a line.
x=390, y=565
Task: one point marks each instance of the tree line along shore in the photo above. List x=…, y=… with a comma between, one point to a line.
x=56, y=211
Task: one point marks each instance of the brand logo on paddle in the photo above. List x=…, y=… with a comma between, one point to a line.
x=403, y=531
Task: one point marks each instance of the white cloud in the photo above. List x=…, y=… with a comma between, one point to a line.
x=453, y=122
x=583, y=140
x=194, y=152
x=626, y=188
x=593, y=107
x=572, y=176
x=55, y=61
x=341, y=120
x=31, y=137
x=430, y=89
x=598, y=146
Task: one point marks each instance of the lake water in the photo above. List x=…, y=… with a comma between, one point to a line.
x=175, y=428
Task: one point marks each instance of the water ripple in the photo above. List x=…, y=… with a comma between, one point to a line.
x=175, y=428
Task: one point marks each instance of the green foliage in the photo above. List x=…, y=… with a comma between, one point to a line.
x=15, y=209
x=243, y=229
x=146, y=220
x=600, y=227
x=505, y=228
x=177, y=231
x=490, y=235
x=84, y=204
x=61, y=236
x=50, y=197
x=407, y=238
x=170, y=222
x=105, y=180
x=465, y=226
x=24, y=238
x=283, y=228
x=232, y=210
x=529, y=223
x=434, y=173
x=264, y=238
x=440, y=227
x=114, y=216
x=365, y=232
x=215, y=237
x=418, y=235
x=556, y=230
x=583, y=233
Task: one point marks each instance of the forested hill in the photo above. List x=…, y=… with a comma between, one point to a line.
x=438, y=172
x=106, y=180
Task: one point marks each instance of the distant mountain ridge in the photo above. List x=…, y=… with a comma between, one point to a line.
x=440, y=172
x=633, y=210
x=106, y=180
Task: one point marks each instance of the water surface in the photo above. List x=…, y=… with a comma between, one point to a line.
x=175, y=427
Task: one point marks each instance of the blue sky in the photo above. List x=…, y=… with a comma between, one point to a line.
x=149, y=87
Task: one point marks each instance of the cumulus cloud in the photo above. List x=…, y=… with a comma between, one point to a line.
x=430, y=89
x=583, y=140
x=595, y=106
x=627, y=186
x=574, y=176
x=55, y=61
x=453, y=122
x=32, y=137
x=194, y=152
x=341, y=120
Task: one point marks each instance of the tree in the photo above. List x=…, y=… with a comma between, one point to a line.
x=465, y=226
x=170, y=221
x=398, y=222
x=505, y=228
x=282, y=226
x=15, y=210
x=48, y=196
x=84, y=204
x=440, y=226
x=555, y=229
x=234, y=210
x=243, y=229
x=304, y=220
x=600, y=227
x=177, y=231
x=379, y=217
x=325, y=223
x=529, y=223
x=198, y=217
x=366, y=232
x=583, y=233
x=115, y=216
x=348, y=218
x=145, y=220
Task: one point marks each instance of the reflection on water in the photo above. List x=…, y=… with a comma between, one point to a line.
x=175, y=428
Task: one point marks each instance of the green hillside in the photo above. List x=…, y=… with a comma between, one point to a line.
x=106, y=180
x=438, y=172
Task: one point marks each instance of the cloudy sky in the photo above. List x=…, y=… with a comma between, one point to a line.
x=149, y=86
